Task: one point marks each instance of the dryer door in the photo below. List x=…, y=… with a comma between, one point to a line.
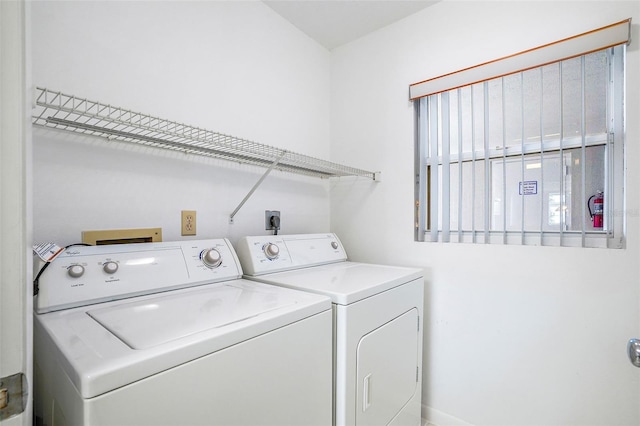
x=387, y=369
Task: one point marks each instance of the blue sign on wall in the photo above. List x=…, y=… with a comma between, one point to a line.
x=528, y=187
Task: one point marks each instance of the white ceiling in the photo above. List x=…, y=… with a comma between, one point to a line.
x=333, y=23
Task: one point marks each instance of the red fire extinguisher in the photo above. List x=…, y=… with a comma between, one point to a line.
x=598, y=209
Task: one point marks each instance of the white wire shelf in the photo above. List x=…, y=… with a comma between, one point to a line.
x=67, y=112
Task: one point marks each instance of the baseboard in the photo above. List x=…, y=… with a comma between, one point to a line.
x=433, y=417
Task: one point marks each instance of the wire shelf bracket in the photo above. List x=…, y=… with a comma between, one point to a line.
x=53, y=109
x=244, y=200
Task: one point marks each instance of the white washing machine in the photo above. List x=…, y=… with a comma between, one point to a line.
x=378, y=315
x=169, y=334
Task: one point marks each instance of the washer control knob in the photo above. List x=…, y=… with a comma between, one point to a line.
x=110, y=267
x=211, y=258
x=271, y=251
x=75, y=271
x=334, y=245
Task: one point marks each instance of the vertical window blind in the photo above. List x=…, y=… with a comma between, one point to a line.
x=529, y=155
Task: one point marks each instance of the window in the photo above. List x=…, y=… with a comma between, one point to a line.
x=534, y=157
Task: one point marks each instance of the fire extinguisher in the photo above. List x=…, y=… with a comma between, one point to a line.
x=598, y=209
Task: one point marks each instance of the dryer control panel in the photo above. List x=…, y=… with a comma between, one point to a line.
x=274, y=253
x=83, y=275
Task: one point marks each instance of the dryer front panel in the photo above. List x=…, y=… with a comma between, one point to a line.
x=387, y=369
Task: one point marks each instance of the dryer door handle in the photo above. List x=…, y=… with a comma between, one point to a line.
x=366, y=394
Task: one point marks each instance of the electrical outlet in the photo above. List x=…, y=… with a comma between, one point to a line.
x=188, y=222
x=272, y=220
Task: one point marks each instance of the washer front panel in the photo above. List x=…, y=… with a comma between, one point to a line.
x=231, y=387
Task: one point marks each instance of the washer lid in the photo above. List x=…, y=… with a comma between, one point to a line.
x=107, y=346
x=147, y=323
x=344, y=282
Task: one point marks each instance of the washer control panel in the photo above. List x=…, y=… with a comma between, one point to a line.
x=274, y=253
x=83, y=275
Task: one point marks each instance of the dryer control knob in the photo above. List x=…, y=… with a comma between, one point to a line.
x=75, y=271
x=271, y=251
x=110, y=267
x=334, y=245
x=211, y=258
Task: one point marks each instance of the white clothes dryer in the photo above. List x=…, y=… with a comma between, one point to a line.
x=378, y=316
x=169, y=334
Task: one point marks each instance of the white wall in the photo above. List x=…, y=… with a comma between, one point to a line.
x=514, y=335
x=230, y=66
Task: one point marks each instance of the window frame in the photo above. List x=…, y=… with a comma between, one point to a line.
x=613, y=234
